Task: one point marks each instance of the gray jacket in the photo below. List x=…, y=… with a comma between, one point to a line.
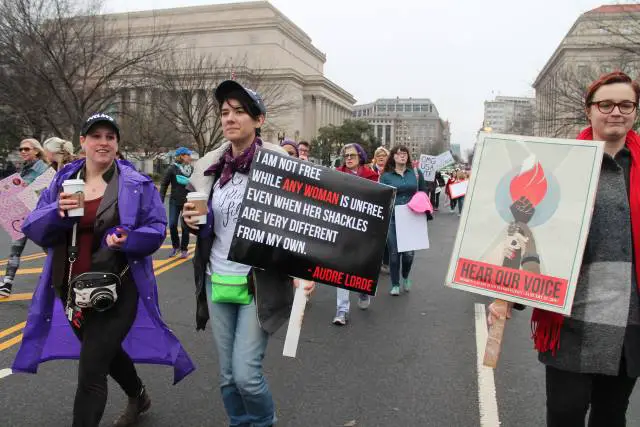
x=604, y=326
x=273, y=291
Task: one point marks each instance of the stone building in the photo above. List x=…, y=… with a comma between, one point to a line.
x=601, y=40
x=413, y=122
x=255, y=35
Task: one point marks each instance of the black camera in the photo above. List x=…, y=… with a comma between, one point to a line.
x=95, y=290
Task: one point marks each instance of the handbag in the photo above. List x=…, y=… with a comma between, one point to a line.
x=93, y=289
x=420, y=202
x=230, y=289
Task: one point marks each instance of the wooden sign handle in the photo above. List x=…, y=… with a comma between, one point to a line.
x=496, y=331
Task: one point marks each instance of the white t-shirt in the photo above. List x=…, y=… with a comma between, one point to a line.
x=225, y=205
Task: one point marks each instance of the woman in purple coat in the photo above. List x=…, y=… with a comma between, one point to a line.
x=111, y=237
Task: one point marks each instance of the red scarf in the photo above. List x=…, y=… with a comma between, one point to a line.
x=545, y=325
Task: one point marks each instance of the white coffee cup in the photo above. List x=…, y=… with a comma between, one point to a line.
x=75, y=187
x=200, y=202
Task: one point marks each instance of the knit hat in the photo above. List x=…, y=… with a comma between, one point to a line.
x=291, y=143
x=361, y=153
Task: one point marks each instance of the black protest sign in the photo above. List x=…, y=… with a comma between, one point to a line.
x=312, y=222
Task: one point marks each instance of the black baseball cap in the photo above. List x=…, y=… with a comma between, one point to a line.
x=228, y=86
x=102, y=119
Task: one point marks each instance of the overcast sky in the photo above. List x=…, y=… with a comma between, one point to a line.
x=458, y=53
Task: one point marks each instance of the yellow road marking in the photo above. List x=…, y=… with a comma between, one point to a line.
x=12, y=329
x=25, y=258
x=17, y=297
x=159, y=268
x=10, y=343
x=38, y=270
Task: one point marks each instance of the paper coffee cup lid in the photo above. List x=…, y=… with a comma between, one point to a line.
x=73, y=182
x=196, y=195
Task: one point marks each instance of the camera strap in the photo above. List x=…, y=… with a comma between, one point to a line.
x=73, y=256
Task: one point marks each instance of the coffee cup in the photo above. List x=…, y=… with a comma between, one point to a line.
x=75, y=187
x=199, y=200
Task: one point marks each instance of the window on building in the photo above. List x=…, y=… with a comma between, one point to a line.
x=387, y=133
x=416, y=108
x=391, y=108
x=382, y=108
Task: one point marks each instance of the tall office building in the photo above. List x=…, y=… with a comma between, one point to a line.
x=508, y=114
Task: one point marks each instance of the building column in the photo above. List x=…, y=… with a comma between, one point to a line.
x=318, y=121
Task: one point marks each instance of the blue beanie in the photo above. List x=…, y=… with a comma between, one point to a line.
x=183, y=150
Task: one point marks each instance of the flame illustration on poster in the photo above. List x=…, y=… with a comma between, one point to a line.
x=527, y=190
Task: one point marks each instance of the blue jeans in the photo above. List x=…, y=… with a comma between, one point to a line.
x=396, y=259
x=174, y=218
x=241, y=345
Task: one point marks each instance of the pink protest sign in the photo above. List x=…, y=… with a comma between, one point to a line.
x=14, y=211
x=31, y=194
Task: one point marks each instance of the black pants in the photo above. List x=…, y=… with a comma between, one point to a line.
x=102, y=354
x=570, y=394
x=435, y=199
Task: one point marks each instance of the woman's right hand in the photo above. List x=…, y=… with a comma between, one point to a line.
x=496, y=311
x=66, y=201
x=190, y=214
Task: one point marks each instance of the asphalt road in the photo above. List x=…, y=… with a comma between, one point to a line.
x=407, y=361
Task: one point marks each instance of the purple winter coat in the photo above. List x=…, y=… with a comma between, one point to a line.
x=48, y=335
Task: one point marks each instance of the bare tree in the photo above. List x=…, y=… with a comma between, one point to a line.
x=619, y=30
x=61, y=60
x=568, y=90
x=146, y=133
x=611, y=34
x=187, y=80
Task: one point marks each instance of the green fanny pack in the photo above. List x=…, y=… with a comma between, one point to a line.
x=230, y=289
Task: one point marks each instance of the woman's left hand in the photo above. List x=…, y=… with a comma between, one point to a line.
x=308, y=286
x=117, y=239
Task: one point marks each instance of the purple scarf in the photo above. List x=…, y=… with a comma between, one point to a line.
x=228, y=165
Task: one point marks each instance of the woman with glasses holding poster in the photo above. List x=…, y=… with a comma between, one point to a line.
x=592, y=357
x=398, y=173
x=354, y=163
x=33, y=165
x=245, y=305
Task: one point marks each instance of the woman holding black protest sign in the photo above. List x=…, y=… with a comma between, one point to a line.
x=592, y=357
x=245, y=304
x=398, y=173
x=354, y=163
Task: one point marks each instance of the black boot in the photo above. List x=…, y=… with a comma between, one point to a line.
x=136, y=407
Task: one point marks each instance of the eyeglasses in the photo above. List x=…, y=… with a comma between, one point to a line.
x=24, y=149
x=607, y=106
x=350, y=156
